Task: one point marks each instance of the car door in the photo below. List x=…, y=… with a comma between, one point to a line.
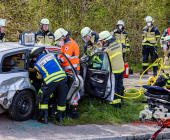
x=74, y=81
x=98, y=76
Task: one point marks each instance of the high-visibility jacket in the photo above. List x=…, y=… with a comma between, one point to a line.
x=92, y=45
x=45, y=37
x=114, y=50
x=2, y=39
x=71, y=50
x=165, y=33
x=122, y=37
x=166, y=63
x=50, y=68
x=150, y=36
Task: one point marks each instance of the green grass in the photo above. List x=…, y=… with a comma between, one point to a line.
x=93, y=111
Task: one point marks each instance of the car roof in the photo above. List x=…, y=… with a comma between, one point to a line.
x=5, y=46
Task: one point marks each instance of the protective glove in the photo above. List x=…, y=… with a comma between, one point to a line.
x=39, y=96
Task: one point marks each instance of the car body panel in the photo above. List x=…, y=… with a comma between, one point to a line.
x=11, y=83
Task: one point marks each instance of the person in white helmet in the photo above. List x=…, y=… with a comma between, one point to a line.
x=121, y=36
x=44, y=34
x=114, y=50
x=150, y=36
x=91, y=39
x=2, y=29
x=71, y=49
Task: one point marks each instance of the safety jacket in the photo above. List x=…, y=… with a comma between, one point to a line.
x=114, y=50
x=150, y=36
x=50, y=68
x=165, y=33
x=71, y=50
x=45, y=37
x=2, y=39
x=92, y=45
x=122, y=37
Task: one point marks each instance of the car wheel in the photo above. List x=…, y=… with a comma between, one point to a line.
x=22, y=106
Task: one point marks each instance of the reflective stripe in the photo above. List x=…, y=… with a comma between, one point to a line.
x=115, y=101
x=156, y=64
x=148, y=44
x=168, y=82
x=74, y=57
x=166, y=67
x=61, y=108
x=58, y=64
x=69, y=67
x=118, y=71
x=43, y=106
x=157, y=36
x=54, y=74
x=151, y=38
x=56, y=77
x=121, y=41
x=45, y=71
x=162, y=37
x=144, y=64
x=115, y=54
x=165, y=75
x=62, y=60
x=127, y=44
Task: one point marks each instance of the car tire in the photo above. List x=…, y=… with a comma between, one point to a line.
x=22, y=106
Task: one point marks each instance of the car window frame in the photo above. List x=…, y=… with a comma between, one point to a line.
x=26, y=66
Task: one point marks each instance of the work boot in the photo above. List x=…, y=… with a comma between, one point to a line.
x=144, y=73
x=60, y=120
x=43, y=120
x=116, y=105
x=74, y=112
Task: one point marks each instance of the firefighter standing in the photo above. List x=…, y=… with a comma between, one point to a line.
x=2, y=28
x=121, y=36
x=149, y=43
x=164, y=79
x=48, y=68
x=114, y=50
x=71, y=49
x=165, y=33
x=91, y=39
x=44, y=34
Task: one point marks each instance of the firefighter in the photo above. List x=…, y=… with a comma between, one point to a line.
x=165, y=33
x=121, y=36
x=48, y=68
x=114, y=50
x=44, y=35
x=2, y=28
x=91, y=39
x=150, y=36
x=71, y=49
x=164, y=79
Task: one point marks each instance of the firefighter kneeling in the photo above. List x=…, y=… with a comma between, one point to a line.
x=48, y=68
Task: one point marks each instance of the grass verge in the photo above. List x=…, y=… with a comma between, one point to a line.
x=93, y=111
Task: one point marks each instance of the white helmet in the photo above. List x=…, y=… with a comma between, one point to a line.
x=86, y=31
x=120, y=22
x=2, y=22
x=105, y=35
x=45, y=21
x=59, y=33
x=148, y=19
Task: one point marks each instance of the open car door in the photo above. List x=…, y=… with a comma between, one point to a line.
x=98, y=76
x=75, y=81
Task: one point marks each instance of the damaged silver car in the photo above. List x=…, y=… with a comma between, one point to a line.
x=17, y=94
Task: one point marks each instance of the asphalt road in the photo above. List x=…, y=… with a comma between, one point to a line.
x=32, y=130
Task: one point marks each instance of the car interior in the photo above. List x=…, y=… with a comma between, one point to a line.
x=14, y=63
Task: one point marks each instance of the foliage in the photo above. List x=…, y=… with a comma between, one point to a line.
x=99, y=15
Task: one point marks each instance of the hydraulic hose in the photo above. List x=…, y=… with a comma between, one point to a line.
x=141, y=91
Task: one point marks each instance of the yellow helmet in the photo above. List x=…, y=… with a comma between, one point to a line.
x=151, y=80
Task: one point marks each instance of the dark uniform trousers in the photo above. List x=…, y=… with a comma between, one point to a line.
x=145, y=52
x=118, y=87
x=60, y=93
